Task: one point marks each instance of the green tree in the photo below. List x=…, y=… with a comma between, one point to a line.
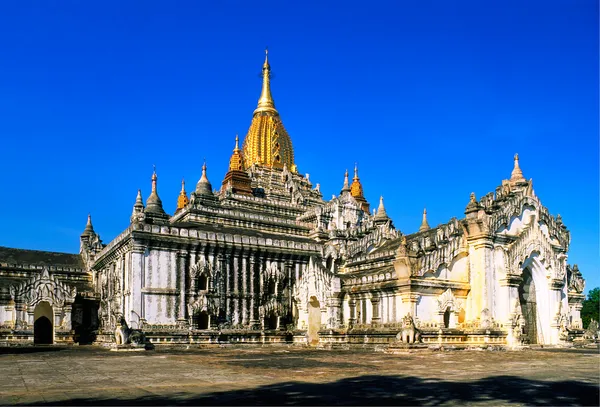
x=591, y=307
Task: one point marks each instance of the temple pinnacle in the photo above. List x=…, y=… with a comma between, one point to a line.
x=182, y=199
x=517, y=174
x=89, y=229
x=265, y=102
x=346, y=186
x=424, y=225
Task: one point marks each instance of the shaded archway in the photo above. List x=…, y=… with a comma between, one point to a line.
x=43, y=329
x=314, y=320
x=447, y=318
x=202, y=320
x=527, y=298
x=271, y=321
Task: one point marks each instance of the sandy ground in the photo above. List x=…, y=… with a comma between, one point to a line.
x=289, y=375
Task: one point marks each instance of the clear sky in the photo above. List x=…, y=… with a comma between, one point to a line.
x=431, y=98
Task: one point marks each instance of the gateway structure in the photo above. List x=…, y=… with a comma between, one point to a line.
x=264, y=258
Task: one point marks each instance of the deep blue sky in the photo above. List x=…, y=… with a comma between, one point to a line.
x=432, y=99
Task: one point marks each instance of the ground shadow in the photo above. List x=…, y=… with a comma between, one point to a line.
x=382, y=390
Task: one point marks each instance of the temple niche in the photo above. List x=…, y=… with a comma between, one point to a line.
x=265, y=258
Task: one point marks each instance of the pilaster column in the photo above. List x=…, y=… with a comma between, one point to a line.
x=235, y=293
x=375, y=301
x=66, y=319
x=352, y=307
x=411, y=299
x=137, y=282
x=253, y=295
x=244, y=291
x=181, y=278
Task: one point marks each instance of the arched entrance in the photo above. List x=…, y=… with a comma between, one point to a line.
x=314, y=321
x=527, y=298
x=202, y=320
x=271, y=321
x=43, y=329
x=447, y=318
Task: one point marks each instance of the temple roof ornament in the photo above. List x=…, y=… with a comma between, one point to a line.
x=267, y=142
x=356, y=188
x=424, y=225
x=203, y=187
x=265, y=102
x=182, y=199
x=89, y=229
x=516, y=177
x=153, y=203
x=236, y=162
x=346, y=187
x=138, y=207
x=236, y=179
x=473, y=205
x=381, y=215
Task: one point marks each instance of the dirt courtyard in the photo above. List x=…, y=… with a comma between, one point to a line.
x=290, y=375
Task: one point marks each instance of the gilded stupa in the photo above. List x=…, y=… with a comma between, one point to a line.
x=267, y=142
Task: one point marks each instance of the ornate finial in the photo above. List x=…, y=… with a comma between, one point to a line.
x=424, y=224
x=203, y=187
x=473, y=205
x=138, y=198
x=182, y=199
x=237, y=143
x=517, y=175
x=89, y=229
x=356, y=188
x=204, y=177
x=154, y=178
x=138, y=207
x=265, y=102
x=318, y=187
x=381, y=214
x=153, y=203
x=559, y=218
x=346, y=186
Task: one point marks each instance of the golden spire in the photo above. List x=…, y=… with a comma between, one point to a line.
x=265, y=102
x=517, y=175
x=182, y=199
x=236, y=179
x=424, y=224
x=267, y=142
x=236, y=162
x=356, y=188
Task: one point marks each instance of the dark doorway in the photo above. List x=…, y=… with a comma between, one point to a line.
x=202, y=320
x=42, y=331
x=528, y=307
x=271, y=322
x=447, y=318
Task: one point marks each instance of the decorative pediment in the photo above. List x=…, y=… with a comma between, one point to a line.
x=201, y=267
x=447, y=300
x=43, y=287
